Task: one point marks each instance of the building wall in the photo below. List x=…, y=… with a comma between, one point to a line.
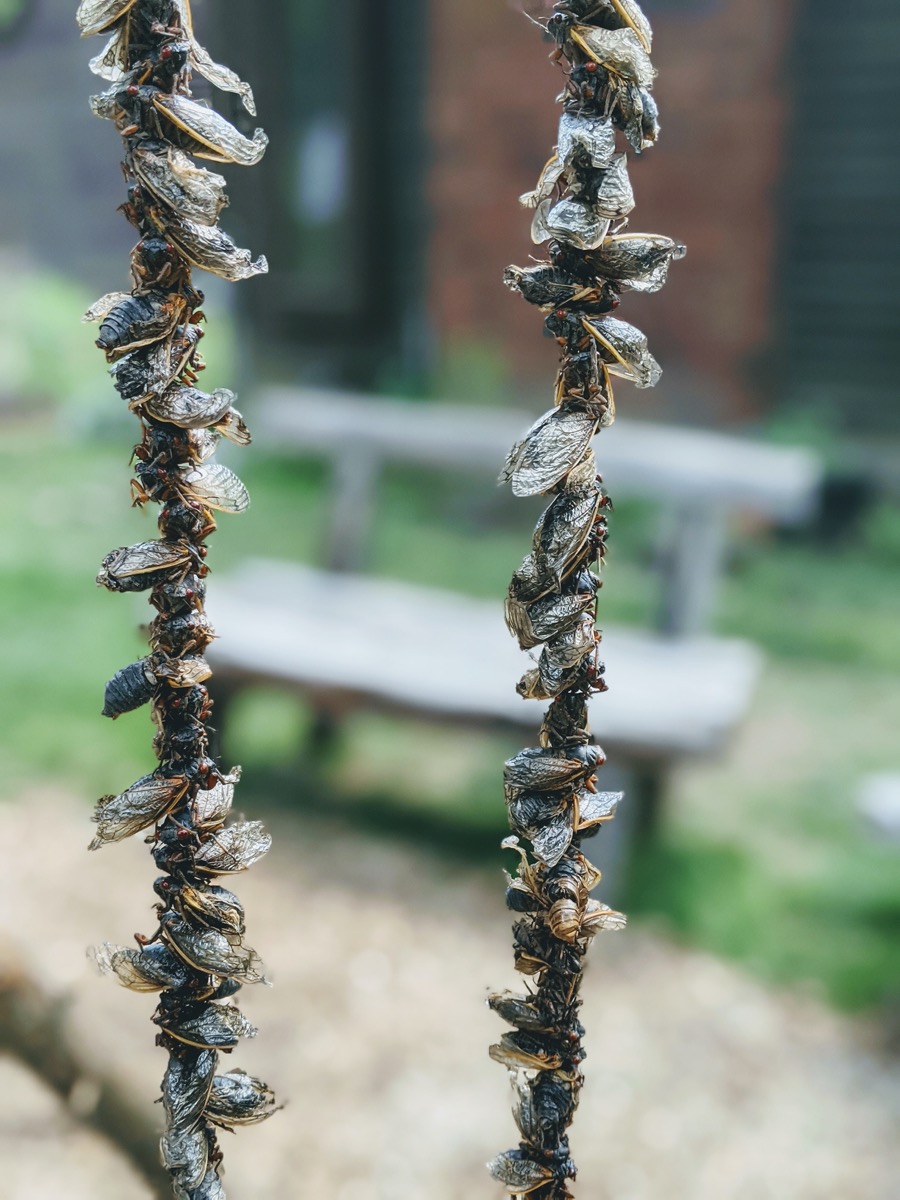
x=713, y=182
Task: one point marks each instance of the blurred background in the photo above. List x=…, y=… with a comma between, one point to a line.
x=743, y=1033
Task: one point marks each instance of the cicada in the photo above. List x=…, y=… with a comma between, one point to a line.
x=574, y=221
x=186, y=1155
x=214, y=907
x=205, y=134
x=209, y=1189
x=525, y=1012
x=637, y=261
x=624, y=349
x=186, y=1086
x=215, y=486
x=239, y=1099
x=546, y=771
x=554, y=444
x=233, y=849
x=543, y=1107
x=520, y=1175
x=212, y=1026
x=619, y=51
x=210, y=249
x=189, y=408
x=537, y=622
x=169, y=175
x=149, y=969
x=571, y=921
x=563, y=530
x=130, y=688
x=128, y=321
x=590, y=137
x=526, y=1051
x=147, y=372
x=212, y=952
x=144, y=565
x=141, y=805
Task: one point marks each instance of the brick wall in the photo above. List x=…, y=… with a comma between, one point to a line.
x=712, y=182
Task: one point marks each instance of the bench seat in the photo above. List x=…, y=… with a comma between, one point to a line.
x=352, y=640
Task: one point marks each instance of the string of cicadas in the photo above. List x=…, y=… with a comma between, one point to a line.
x=581, y=206
x=197, y=958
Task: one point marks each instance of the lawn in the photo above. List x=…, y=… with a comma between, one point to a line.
x=762, y=857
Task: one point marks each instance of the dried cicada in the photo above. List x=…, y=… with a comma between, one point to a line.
x=208, y=1026
x=186, y=1087
x=139, y=806
x=239, y=1099
x=555, y=444
x=233, y=849
x=144, y=565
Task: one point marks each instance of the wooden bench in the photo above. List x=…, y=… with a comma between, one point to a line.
x=346, y=640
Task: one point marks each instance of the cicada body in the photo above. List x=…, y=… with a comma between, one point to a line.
x=130, y=688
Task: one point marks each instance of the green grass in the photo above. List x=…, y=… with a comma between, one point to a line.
x=762, y=858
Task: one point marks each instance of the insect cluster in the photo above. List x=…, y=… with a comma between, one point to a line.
x=197, y=958
x=581, y=205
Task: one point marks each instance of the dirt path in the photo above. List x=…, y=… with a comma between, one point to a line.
x=702, y=1085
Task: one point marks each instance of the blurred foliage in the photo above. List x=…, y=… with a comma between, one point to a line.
x=764, y=861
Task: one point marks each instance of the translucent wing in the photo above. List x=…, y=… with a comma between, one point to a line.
x=104, y=306
x=239, y=1099
x=214, y=906
x=208, y=247
x=619, y=50
x=593, y=808
x=136, y=808
x=143, y=558
x=189, y=408
x=186, y=1086
x=216, y=138
x=525, y=1051
x=217, y=487
x=520, y=1175
x=624, y=348
x=147, y=970
x=536, y=770
x=551, y=841
x=572, y=221
x=195, y=193
x=215, y=1027
x=186, y=1155
x=213, y=952
x=634, y=18
x=233, y=849
x=551, y=617
x=518, y=1010
x=639, y=261
x=593, y=137
x=563, y=530
x=221, y=77
x=549, y=450
x=212, y=806
x=93, y=16
x=614, y=197
x=111, y=62
x=550, y=176
x=232, y=426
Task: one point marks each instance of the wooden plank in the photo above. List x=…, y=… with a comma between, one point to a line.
x=358, y=640
x=636, y=458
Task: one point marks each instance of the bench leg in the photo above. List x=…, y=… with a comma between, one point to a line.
x=324, y=738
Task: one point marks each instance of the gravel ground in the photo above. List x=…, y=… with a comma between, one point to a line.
x=701, y=1083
